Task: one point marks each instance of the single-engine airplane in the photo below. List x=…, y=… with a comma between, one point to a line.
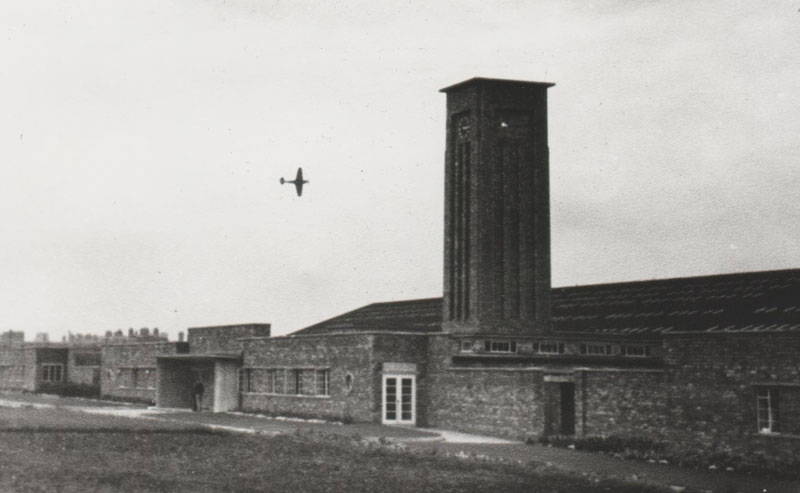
x=298, y=181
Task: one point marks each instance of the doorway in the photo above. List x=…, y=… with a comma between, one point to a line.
x=399, y=399
x=559, y=412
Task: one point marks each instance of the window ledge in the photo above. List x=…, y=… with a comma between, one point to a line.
x=273, y=394
x=773, y=434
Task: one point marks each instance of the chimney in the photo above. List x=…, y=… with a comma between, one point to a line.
x=155, y=331
x=180, y=336
x=131, y=332
x=497, y=208
x=144, y=332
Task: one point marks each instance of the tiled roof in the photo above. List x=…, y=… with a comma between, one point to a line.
x=423, y=315
x=747, y=302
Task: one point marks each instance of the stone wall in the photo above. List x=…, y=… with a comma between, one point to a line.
x=621, y=402
x=119, y=361
x=491, y=401
x=711, y=392
x=224, y=338
x=12, y=367
x=342, y=355
x=32, y=372
x=21, y=365
x=519, y=400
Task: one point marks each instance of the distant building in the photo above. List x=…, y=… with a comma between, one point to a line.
x=43, y=366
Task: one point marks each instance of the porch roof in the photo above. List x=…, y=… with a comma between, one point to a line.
x=201, y=357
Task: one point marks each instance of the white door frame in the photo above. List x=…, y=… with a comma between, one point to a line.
x=398, y=400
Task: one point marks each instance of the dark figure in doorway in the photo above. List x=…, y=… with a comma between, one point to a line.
x=197, y=395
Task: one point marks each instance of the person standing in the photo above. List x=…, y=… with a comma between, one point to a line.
x=197, y=395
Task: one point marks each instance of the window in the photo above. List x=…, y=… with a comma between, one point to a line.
x=767, y=410
x=125, y=377
x=348, y=383
x=500, y=346
x=635, y=350
x=256, y=380
x=136, y=378
x=284, y=381
x=466, y=346
x=301, y=382
x=548, y=347
x=7, y=374
x=322, y=382
x=245, y=375
x=296, y=382
x=261, y=380
x=272, y=378
x=596, y=349
x=143, y=378
x=52, y=373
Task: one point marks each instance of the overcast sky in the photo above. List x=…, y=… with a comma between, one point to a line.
x=141, y=146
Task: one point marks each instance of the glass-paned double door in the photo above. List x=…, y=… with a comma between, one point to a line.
x=399, y=399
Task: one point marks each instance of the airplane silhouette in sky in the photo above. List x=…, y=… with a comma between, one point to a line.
x=298, y=181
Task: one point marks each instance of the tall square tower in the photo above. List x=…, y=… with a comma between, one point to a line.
x=497, y=208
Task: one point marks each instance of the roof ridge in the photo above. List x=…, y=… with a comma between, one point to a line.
x=669, y=280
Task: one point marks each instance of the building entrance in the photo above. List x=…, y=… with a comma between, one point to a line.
x=399, y=399
x=177, y=375
x=559, y=413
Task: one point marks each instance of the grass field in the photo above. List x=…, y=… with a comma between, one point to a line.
x=59, y=450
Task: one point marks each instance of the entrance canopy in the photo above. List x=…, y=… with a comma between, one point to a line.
x=218, y=372
x=209, y=357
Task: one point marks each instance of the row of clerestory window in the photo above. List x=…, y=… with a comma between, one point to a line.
x=507, y=346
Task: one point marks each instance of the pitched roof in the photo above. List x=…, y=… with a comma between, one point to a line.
x=745, y=302
x=423, y=315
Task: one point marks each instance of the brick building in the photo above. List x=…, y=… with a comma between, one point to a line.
x=47, y=366
x=707, y=363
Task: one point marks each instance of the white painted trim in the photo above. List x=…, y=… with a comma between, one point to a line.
x=398, y=401
x=61, y=373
